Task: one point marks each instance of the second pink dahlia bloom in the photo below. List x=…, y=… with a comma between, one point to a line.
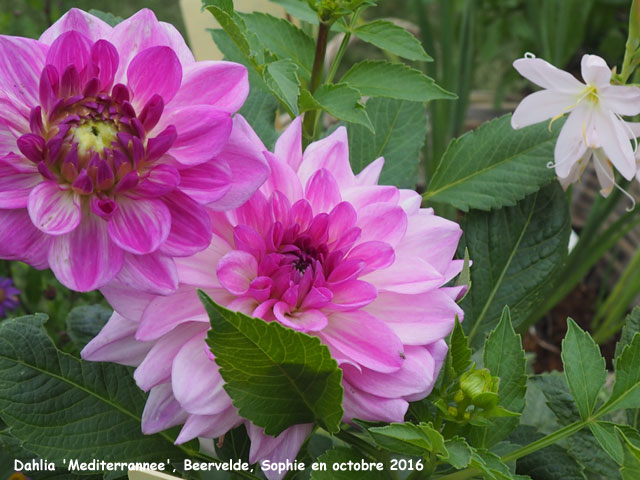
x=322, y=251
x=112, y=140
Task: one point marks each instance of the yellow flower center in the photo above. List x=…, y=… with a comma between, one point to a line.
x=94, y=136
x=590, y=94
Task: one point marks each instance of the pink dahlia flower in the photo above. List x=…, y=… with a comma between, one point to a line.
x=322, y=251
x=112, y=140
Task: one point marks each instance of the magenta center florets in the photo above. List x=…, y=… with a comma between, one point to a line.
x=87, y=134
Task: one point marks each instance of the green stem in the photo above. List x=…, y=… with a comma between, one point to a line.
x=309, y=123
x=631, y=47
x=343, y=47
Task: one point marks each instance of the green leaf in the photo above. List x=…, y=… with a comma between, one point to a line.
x=389, y=36
x=276, y=377
x=283, y=39
x=516, y=252
x=379, y=78
x=342, y=455
x=85, y=322
x=61, y=407
x=494, y=166
x=400, y=129
x=608, y=438
x=458, y=453
x=236, y=445
x=225, y=5
x=626, y=388
x=339, y=100
x=459, y=351
x=504, y=357
x=260, y=111
x=584, y=367
x=465, y=275
x=282, y=78
x=231, y=28
x=491, y=465
x=408, y=438
x=630, y=469
x=107, y=17
x=631, y=327
x=299, y=9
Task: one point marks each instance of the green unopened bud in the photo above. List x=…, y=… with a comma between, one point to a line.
x=480, y=387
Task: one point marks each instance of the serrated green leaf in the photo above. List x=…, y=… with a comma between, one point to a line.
x=225, y=5
x=107, y=17
x=392, y=38
x=490, y=464
x=551, y=463
x=276, y=377
x=584, y=367
x=505, y=271
x=631, y=327
x=299, y=9
x=260, y=111
x=626, y=388
x=504, y=357
x=459, y=351
x=231, y=28
x=379, y=78
x=408, y=438
x=608, y=438
x=630, y=469
x=494, y=166
x=339, y=100
x=400, y=129
x=62, y=407
x=283, y=39
x=85, y=322
x=458, y=453
x=282, y=79
x=342, y=455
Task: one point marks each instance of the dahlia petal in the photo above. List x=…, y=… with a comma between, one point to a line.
x=352, y=294
x=416, y=376
x=283, y=179
x=126, y=301
x=198, y=269
x=364, y=339
x=21, y=240
x=410, y=201
x=248, y=240
x=190, y=226
x=371, y=173
x=374, y=254
x=304, y=321
x=176, y=42
x=105, y=56
x=595, y=70
x=21, y=61
x=15, y=185
x=162, y=410
x=196, y=381
x=382, y=222
x=140, y=225
x=276, y=449
x=155, y=368
x=209, y=426
x=86, y=258
x=331, y=153
x=417, y=319
x=360, y=197
x=406, y=275
x=570, y=146
x=207, y=182
x=288, y=148
x=365, y=406
x=236, y=270
x=222, y=85
x=70, y=48
x=545, y=75
x=322, y=191
x=161, y=180
x=203, y=131
x=155, y=70
x=615, y=143
x=53, y=210
x=77, y=20
x=249, y=169
x=116, y=343
x=164, y=313
x=540, y=106
x=153, y=273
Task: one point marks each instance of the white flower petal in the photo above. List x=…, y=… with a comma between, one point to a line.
x=622, y=99
x=541, y=106
x=544, y=74
x=604, y=172
x=595, y=71
x=615, y=142
x=570, y=146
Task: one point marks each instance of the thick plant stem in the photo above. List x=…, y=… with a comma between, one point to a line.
x=309, y=123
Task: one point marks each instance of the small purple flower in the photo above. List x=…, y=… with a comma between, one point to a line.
x=8, y=296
